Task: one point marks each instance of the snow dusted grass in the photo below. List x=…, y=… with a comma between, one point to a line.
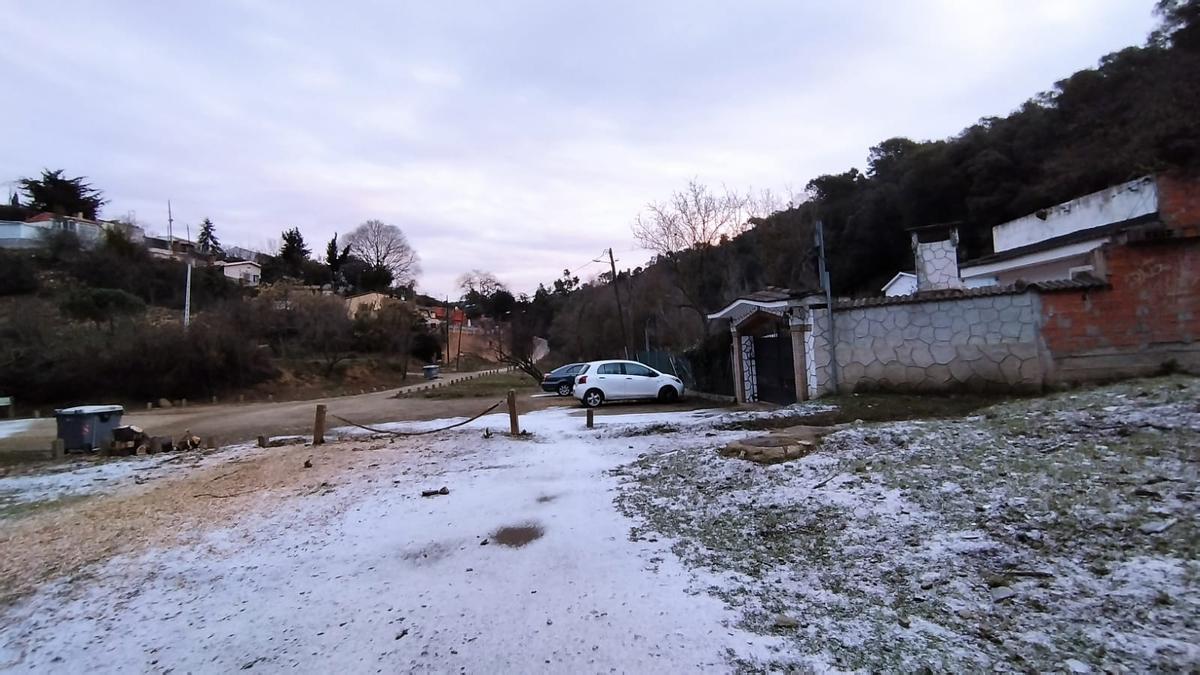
x=1056, y=533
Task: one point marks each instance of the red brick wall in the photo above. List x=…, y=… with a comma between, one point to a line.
x=1179, y=200
x=1154, y=299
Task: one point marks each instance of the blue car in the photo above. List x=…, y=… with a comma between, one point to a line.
x=561, y=380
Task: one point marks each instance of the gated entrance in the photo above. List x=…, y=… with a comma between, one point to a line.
x=773, y=361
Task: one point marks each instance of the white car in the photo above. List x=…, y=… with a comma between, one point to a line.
x=602, y=381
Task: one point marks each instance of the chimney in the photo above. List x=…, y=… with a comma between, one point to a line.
x=935, y=255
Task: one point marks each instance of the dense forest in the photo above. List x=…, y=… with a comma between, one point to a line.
x=1133, y=114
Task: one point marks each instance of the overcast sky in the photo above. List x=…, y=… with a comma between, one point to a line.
x=518, y=137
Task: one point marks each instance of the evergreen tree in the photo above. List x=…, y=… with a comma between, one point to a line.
x=208, y=238
x=55, y=193
x=293, y=253
x=335, y=259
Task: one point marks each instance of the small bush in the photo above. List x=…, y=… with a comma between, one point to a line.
x=18, y=274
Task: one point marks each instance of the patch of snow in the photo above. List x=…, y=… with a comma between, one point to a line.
x=14, y=427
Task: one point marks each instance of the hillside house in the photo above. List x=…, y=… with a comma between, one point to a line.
x=1036, y=317
x=31, y=233
x=244, y=272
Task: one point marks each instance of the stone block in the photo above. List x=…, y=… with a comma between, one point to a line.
x=911, y=333
x=971, y=315
x=1010, y=314
x=960, y=325
x=914, y=375
x=943, y=335
x=978, y=329
x=1002, y=302
x=1010, y=331
x=919, y=318
x=943, y=353
x=977, y=340
x=988, y=315
x=843, y=354
x=874, y=371
x=939, y=375
x=1028, y=333
x=942, y=319
x=960, y=370
x=1010, y=368
x=921, y=356
x=926, y=335
x=852, y=373
x=894, y=372
x=969, y=352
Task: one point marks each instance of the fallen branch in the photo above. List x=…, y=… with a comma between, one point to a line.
x=224, y=475
x=418, y=433
x=435, y=493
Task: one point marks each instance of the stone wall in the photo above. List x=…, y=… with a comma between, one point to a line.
x=979, y=342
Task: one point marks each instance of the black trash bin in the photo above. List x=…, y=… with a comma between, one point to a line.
x=88, y=427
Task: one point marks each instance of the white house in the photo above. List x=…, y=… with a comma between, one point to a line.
x=1064, y=240
x=904, y=283
x=246, y=272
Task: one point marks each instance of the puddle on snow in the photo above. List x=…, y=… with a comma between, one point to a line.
x=516, y=536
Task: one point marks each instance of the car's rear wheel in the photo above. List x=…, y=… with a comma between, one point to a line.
x=668, y=395
x=593, y=398
x=564, y=389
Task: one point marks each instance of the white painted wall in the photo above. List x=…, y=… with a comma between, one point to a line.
x=1112, y=205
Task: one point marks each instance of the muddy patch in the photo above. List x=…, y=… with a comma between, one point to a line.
x=516, y=536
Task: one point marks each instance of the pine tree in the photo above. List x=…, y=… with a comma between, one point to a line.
x=335, y=258
x=208, y=238
x=294, y=252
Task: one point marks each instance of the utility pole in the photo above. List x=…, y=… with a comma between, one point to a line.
x=823, y=274
x=187, y=284
x=612, y=263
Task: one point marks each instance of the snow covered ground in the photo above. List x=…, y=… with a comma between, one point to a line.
x=367, y=575
x=1051, y=534
x=1054, y=534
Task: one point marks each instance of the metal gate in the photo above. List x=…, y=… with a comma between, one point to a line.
x=774, y=373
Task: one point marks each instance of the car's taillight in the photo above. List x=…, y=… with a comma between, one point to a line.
x=583, y=379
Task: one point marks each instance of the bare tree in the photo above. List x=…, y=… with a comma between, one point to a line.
x=691, y=218
x=683, y=231
x=479, y=283
x=385, y=246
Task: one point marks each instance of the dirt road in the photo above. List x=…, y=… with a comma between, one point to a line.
x=237, y=422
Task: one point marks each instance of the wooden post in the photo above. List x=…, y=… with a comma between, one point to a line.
x=183, y=403
x=12, y=408
x=262, y=441
x=155, y=445
x=37, y=414
x=149, y=405
x=214, y=400
x=319, y=425
x=241, y=398
x=514, y=422
x=591, y=418
x=58, y=449
x=211, y=444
